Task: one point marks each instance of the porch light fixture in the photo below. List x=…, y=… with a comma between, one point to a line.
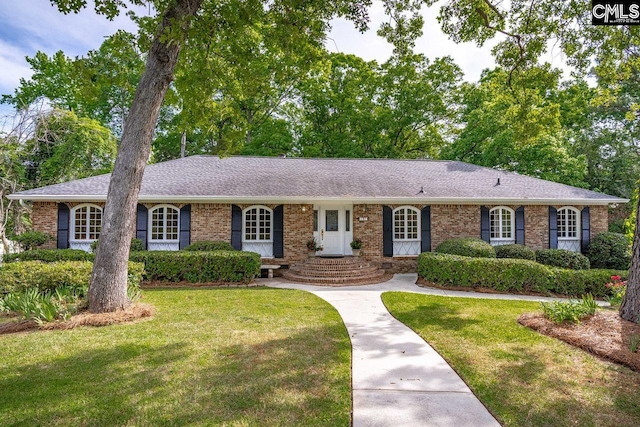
x=304, y=208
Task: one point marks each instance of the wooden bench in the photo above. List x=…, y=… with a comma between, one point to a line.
x=269, y=269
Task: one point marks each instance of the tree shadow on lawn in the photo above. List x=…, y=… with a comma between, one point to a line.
x=303, y=379
x=561, y=396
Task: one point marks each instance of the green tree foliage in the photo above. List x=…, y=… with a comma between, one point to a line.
x=517, y=128
x=65, y=147
x=354, y=108
x=99, y=85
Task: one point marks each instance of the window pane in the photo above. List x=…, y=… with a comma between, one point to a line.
x=315, y=220
x=412, y=224
x=399, y=224
x=494, y=222
x=331, y=218
x=80, y=232
x=171, y=226
x=506, y=224
x=347, y=220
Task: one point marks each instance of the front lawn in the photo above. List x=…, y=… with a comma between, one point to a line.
x=237, y=357
x=524, y=378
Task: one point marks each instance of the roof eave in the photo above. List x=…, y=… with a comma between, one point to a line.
x=305, y=199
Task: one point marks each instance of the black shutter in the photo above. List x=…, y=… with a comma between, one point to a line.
x=553, y=228
x=485, y=228
x=387, y=231
x=142, y=218
x=586, y=229
x=236, y=227
x=520, y=225
x=63, y=226
x=426, y=229
x=278, y=232
x=185, y=226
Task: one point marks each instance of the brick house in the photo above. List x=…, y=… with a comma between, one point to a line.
x=274, y=205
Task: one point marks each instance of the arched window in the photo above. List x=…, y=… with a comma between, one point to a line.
x=257, y=230
x=406, y=231
x=164, y=223
x=502, y=223
x=86, y=222
x=569, y=229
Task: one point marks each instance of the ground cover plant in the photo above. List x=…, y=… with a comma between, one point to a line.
x=235, y=357
x=524, y=378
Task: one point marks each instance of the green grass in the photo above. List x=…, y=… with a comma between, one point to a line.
x=524, y=378
x=232, y=357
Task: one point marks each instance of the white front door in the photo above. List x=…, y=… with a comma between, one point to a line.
x=334, y=229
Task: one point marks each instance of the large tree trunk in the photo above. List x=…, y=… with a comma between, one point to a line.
x=630, y=307
x=108, y=289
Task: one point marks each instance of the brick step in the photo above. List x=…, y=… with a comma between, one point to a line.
x=352, y=273
x=336, y=268
x=332, y=261
x=372, y=277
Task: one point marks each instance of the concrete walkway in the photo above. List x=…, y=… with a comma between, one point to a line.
x=398, y=379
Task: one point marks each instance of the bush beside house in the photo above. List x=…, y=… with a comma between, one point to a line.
x=513, y=275
x=199, y=267
x=467, y=246
x=610, y=250
x=515, y=251
x=562, y=258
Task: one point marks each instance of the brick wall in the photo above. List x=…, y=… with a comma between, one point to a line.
x=44, y=217
x=453, y=221
x=210, y=221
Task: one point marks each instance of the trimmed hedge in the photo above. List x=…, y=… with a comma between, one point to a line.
x=199, y=267
x=208, y=245
x=506, y=275
x=50, y=255
x=581, y=282
x=562, y=258
x=467, y=246
x=20, y=276
x=515, y=251
x=610, y=250
x=512, y=275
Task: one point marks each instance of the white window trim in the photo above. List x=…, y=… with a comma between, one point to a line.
x=393, y=218
x=244, y=225
x=403, y=248
x=578, y=224
x=72, y=236
x=164, y=227
x=503, y=240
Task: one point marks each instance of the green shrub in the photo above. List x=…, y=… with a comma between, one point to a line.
x=17, y=277
x=467, y=246
x=208, y=245
x=610, y=250
x=515, y=251
x=571, y=311
x=31, y=239
x=136, y=245
x=562, y=258
x=581, y=282
x=513, y=275
x=199, y=267
x=50, y=255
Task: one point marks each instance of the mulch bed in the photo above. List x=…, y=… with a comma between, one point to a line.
x=134, y=312
x=604, y=334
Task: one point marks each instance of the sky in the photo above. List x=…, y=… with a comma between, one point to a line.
x=28, y=26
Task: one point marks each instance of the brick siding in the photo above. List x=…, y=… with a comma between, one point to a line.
x=212, y=221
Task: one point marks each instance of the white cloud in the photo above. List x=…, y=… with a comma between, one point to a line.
x=13, y=67
x=433, y=43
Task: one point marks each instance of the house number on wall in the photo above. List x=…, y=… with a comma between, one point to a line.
x=363, y=218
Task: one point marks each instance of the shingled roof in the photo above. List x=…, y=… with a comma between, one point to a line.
x=276, y=179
